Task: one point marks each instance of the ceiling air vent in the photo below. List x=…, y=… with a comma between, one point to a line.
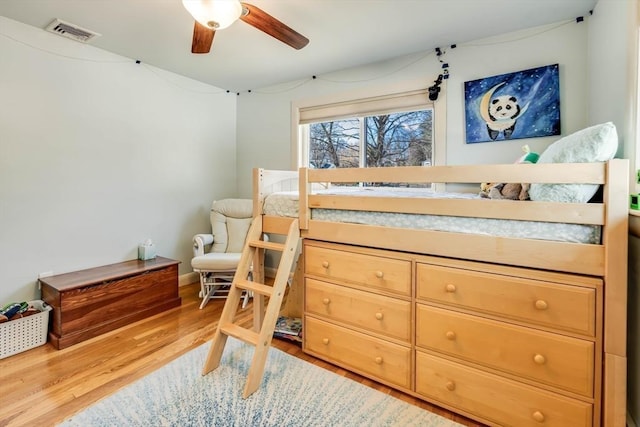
x=71, y=31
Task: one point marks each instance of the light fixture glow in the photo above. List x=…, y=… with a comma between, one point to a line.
x=214, y=14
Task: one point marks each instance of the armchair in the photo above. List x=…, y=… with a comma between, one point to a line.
x=216, y=255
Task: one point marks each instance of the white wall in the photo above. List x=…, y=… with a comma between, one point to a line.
x=613, y=56
x=264, y=132
x=97, y=154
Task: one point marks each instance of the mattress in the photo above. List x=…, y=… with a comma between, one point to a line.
x=286, y=204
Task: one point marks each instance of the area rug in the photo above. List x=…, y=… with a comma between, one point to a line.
x=292, y=393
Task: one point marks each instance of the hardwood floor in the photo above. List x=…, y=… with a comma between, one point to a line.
x=43, y=386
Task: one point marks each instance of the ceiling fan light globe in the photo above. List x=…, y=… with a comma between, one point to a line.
x=214, y=14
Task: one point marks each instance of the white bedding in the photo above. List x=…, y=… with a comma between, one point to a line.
x=286, y=204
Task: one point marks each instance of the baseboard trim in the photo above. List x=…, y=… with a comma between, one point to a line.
x=187, y=279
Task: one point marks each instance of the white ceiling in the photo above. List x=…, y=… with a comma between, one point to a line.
x=342, y=33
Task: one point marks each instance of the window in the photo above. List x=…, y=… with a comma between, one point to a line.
x=395, y=139
x=400, y=129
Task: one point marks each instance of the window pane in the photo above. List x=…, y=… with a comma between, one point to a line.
x=334, y=144
x=395, y=139
x=399, y=139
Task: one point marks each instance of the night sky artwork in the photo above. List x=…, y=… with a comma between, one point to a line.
x=524, y=104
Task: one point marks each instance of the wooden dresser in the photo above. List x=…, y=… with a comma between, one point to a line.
x=503, y=345
x=91, y=302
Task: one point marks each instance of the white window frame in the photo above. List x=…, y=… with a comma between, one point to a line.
x=406, y=97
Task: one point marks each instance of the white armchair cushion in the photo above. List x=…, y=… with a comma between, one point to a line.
x=216, y=261
x=237, y=229
x=230, y=221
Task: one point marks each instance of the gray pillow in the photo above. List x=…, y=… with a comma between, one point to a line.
x=597, y=143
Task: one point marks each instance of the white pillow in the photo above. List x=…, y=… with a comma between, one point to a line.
x=597, y=143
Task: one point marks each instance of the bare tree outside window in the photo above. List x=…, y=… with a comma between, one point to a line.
x=335, y=144
x=396, y=139
x=400, y=139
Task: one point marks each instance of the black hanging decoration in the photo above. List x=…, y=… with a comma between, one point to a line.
x=435, y=89
x=445, y=70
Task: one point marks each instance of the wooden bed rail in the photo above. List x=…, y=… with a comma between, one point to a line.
x=566, y=173
x=589, y=259
x=572, y=213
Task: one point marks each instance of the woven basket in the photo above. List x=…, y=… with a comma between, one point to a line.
x=26, y=333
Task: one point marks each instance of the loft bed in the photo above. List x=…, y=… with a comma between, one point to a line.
x=596, y=259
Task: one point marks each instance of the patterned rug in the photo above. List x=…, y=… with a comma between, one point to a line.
x=292, y=393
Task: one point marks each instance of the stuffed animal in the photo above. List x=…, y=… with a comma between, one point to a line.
x=510, y=191
x=501, y=190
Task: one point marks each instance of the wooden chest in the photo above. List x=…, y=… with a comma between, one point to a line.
x=91, y=302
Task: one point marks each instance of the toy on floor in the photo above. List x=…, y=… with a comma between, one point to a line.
x=510, y=191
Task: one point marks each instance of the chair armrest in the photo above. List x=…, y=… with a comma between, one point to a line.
x=199, y=242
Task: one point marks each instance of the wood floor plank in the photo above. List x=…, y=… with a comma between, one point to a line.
x=43, y=386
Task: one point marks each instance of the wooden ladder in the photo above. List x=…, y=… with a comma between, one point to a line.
x=264, y=321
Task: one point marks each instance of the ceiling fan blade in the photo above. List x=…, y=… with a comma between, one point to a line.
x=264, y=22
x=202, y=38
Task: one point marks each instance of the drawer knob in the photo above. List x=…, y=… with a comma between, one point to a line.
x=379, y=316
x=451, y=288
x=379, y=274
x=379, y=360
x=539, y=359
x=325, y=264
x=541, y=304
x=326, y=301
x=538, y=416
x=450, y=385
x=325, y=341
x=450, y=335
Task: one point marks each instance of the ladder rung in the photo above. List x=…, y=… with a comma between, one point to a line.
x=255, y=287
x=243, y=334
x=267, y=245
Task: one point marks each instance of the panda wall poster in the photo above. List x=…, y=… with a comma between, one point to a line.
x=523, y=104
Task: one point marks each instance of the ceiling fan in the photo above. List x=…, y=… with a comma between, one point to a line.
x=213, y=15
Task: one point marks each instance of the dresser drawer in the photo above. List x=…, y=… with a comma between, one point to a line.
x=374, y=272
x=380, y=359
x=499, y=400
x=377, y=313
x=549, y=358
x=570, y=308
